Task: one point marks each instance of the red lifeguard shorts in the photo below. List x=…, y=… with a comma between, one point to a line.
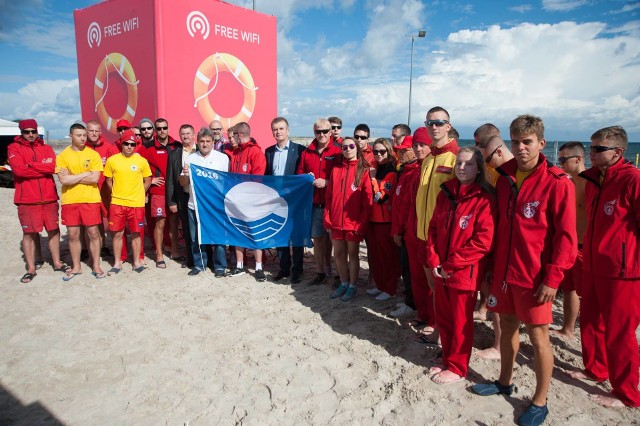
x=34, y=217
x=85, y=214
x=339, y=234
x=119, y=216
x=519, y=301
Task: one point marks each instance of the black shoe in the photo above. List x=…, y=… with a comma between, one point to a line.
x=280, y=276
x=260, y=276
x=236, y=272
x=220, y=273
x=194, y=272
x=295, y=279
x=319, y=279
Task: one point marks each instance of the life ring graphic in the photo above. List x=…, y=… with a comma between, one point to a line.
x=210, y=68
x=118, y=63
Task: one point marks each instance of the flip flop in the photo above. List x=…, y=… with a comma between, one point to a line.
x=114, y=271
x=70, y=276
x=417, y=323
x=39, y=264
x=140, y=268
x=63, y=268
x=161, y=264
x=425, y=341
x=28, y=277
x=98, y=275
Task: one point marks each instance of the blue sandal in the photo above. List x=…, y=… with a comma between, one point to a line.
x=534, y=416
x=495, y=388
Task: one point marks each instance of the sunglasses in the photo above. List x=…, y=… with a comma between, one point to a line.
x=379, y=151
x=563, y=160
x=348, y=147
x=600, y=148
x=336, y=127
x=323, y=131
x=360, y=138
x=146, y=129
x=29, y=132
x=437, y=123
x=488, y=159
x=216, y=129
x=128, y=144
x=122, y=129
x=162, y=128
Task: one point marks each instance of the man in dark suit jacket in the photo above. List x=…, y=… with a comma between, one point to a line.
x=282, y=160
x=177, y=196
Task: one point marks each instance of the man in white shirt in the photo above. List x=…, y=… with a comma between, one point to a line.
x=209, y=158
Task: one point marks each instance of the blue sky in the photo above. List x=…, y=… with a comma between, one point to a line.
x=575, y=63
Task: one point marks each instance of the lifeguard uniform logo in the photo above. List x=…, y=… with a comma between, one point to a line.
x=388, y=186
x=464, y=221
x=492, y=301
x=245, y=167
x=354, y=188
x=609, y=206
x=398, y=189
x=444, y=169
x=134, y=167
x=529, y=209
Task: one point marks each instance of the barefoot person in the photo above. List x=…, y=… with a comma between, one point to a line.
x=79, y=169
x=536, y=244
x=610, y=311
x=460, y=236
x=571, y=158
x=33, y=164
x=129, y=176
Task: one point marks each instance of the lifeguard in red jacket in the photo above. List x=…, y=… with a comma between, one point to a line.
x=33, y=165
x=460, y=236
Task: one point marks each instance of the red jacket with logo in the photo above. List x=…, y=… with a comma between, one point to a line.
x=248, y=159
x=461, y=233
x=612, y=241
x=33, y=166
x=320, y=164
x=386, y=177
x=403, y=213
x=157, y=155
x=348, y=206
x=105, y=150
x=536, y=239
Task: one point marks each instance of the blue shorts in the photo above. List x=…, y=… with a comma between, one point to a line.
x=317, y=224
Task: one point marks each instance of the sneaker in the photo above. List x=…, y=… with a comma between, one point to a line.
x=534, y=416
x=319, y=279
x=349, y=295
x=495, y=388
x=402, y=311
x=384, y=296
x=194, y=272
x=373, y=291
x=280, y=276
x=220, y=273
x=339, y=291
x=260, y=276
x=236, y=272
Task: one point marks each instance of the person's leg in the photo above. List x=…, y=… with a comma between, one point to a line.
x=353, y=248
x=75, y=246
x=240, y=257
x=116, y=243
x=570, y=307
x=197, y=253
x=284, y=254
x=319, y=253
x=219, y=258
x=173, y=234
x=509, y=346
x=37, y=253
x=594, y=355
x=136, y=248
x=340, y=253
x=183, y=212
x=28, y=248
x=406, y=277
x=444, y=320
x=493, y=352
x=53, y=237
x=419, y=284
x=461, y=312
x=93, y=234
x=542, y=361
x=257, y=253
x=158, y=237
x=298, y=261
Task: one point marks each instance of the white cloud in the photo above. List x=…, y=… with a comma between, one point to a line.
x=523, y=8
x=562, y=5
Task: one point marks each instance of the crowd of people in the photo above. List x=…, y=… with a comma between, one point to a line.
x=496, y=222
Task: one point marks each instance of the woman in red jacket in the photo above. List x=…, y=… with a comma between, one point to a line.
x=460, y=235
x=384, y=261
x=348, y=199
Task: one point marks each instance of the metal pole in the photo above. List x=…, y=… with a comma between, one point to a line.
x=410, y=81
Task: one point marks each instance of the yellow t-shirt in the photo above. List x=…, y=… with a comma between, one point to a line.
x=77, y=162
x=128, y=175
x=492, y=176
x=520, y=177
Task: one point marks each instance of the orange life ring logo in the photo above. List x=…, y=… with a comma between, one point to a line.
x=115, y=63
x=207, y=71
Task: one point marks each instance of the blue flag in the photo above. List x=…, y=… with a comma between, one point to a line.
x=249, y=211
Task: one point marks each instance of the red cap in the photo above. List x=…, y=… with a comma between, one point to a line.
x=123, y=123
x=407, y=143
x=29, y=123
x=127, y=136
x=421, y=135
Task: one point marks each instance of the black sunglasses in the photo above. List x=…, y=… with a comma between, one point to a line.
x=437, y=123
x=563, y=160
x=161, y=128
x=379, y=151
x=360, y=138
x=600, y=148
x=336, y=127
x=122, y=129
x=128, y=144
x=348, y=146
x=146, y=129
x=488, y=159
x=323, y=131
x=29, y=132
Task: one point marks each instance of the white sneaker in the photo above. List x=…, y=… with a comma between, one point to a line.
x=402, y=311
x=373, y=291
x=384, y=296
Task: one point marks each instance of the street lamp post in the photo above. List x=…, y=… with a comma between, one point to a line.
x=421, y=34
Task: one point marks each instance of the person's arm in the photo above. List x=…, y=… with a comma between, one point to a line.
x=328, y=195
x=366, y=199
x=432, y=258
x=24, y=168
x=85, y=177
x=147, y=183
x=109, y=182
x=259, y=163
x=169, y=188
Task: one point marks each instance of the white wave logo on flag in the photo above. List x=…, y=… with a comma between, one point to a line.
x=256, y=210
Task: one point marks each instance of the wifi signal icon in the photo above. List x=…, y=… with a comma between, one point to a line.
x=94, y=34
x=197, y=23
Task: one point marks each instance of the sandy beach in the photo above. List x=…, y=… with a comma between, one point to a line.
x=160, y=347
